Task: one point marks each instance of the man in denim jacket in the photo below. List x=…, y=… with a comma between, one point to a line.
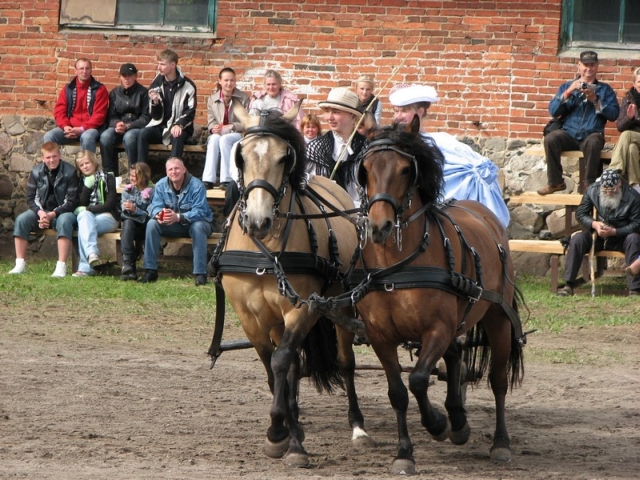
x=585, y=105
x=179, y=209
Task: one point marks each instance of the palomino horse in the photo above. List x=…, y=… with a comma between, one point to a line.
x=434, y=273
x=284, y=242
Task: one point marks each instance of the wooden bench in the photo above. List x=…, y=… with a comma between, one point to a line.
x=605, y=157
x=115, y=236
x=554, y=247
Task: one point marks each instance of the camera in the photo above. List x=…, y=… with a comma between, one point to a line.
x=585, y=85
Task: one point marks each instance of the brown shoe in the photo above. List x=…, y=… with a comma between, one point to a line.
x=547, y=189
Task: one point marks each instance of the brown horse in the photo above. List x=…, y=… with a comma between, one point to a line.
x=283, y=244
x=434, y=274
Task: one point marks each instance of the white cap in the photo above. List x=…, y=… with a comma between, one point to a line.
x=409, y=94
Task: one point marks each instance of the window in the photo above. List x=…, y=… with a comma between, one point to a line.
x=154, y=15
x=601, y=24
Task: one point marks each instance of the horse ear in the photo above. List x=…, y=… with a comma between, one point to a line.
x=240, y=113
x=369, y=124
x=293, y=112
x=415, y=125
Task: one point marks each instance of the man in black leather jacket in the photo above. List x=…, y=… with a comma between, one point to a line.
x=128, y=113
x=617, y=225
x=52, y=196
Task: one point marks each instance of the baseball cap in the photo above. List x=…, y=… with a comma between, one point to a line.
x=589, y=56
x=128, y=69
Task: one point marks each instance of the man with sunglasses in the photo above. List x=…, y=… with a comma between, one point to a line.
x=616, y=224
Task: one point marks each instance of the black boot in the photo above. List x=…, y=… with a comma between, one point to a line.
x=149, y=276
x=128, y=270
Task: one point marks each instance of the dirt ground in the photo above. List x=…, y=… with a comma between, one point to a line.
x=110, y=398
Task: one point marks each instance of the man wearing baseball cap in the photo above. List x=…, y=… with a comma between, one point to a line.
x=616, y=224
x=128, y=113
x=584, y=105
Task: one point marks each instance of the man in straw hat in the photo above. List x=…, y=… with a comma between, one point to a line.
x=616, y=224
x=341, y=113
x=467, y=174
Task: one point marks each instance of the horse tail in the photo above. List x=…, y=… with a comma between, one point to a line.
x=320, y=356
x=477, y=352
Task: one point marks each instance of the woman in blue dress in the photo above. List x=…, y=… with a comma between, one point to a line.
x=467, y=174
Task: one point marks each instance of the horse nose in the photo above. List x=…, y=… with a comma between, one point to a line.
x=265, y=225
x=380, y=233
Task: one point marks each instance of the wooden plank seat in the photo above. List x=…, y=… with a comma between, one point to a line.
x=115, y=236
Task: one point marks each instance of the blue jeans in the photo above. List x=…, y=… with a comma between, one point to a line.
x=109, y=139
x=150, y=135
x=88, y=139
x=90, y=227
x=28, y=222
x=198, y=231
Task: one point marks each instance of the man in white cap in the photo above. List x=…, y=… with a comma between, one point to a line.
x=467, y=174
x=341, y=113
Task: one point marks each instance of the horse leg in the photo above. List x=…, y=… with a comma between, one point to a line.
x=403, y=463
x=499, y=337
x=281, y=413
x=454, y=403
x=293, y=381
x=347, y=365
x=436, y=423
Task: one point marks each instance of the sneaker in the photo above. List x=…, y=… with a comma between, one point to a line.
x=150, y=276
x=19, y=268
x=60, y=271
x=83, y=274
x=94, y=259
x=547, y=189
x=566, y=291
x=201, y=279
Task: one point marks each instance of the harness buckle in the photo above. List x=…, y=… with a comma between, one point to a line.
x=475, y=299
x=389, y=287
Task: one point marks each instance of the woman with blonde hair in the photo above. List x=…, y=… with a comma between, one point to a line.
x=136, y=198
x=97, y=213
x=273, y=96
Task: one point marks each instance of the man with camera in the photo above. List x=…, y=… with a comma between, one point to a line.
x=584, y=105
x=128, y=113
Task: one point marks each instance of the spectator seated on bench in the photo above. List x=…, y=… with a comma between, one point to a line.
x=52, y=191
x=585, y=105
x=136, y=198
x=97, y=210
x=179, y=209
x=616, y=224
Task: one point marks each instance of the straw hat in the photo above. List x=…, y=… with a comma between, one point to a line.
x=342, y=99
x=413, y=94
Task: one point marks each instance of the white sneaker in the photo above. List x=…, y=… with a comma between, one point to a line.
x=19, y=268
x=94, y=259
x=60, y=271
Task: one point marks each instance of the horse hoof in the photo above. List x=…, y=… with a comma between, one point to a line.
x=446, y=433
x=403, y=466
x=501, y=455
x=296, y=460
x=362, y=439
x=276, y=449
x=461, y=436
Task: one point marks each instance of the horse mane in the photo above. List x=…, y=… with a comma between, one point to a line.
x=288, y=132
x=430, y=160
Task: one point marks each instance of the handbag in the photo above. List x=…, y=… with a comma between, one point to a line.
x=552, y=125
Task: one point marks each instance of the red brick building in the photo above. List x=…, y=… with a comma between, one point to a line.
x=496, y=64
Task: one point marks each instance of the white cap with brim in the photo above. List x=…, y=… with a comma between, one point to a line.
x=413, y=94
x=342, y=99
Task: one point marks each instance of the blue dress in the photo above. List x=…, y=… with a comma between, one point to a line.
x=470, y=176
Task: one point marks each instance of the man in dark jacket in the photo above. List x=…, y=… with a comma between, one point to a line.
x=585, y=105
x=173, y=102
x=81, y=109
x=128, y=114
x=52, y=196
x=626, y=156
x=617, y=225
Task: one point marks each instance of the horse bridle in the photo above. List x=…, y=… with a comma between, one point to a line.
x=382, y=145
x=278, y=194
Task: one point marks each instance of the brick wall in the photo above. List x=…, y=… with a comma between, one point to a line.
x=495, y=63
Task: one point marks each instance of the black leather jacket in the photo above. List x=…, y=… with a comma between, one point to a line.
x=65, y=188
x=130, y=106
x=625, y=219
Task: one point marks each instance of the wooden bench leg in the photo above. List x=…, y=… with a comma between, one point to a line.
x=555, y=260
